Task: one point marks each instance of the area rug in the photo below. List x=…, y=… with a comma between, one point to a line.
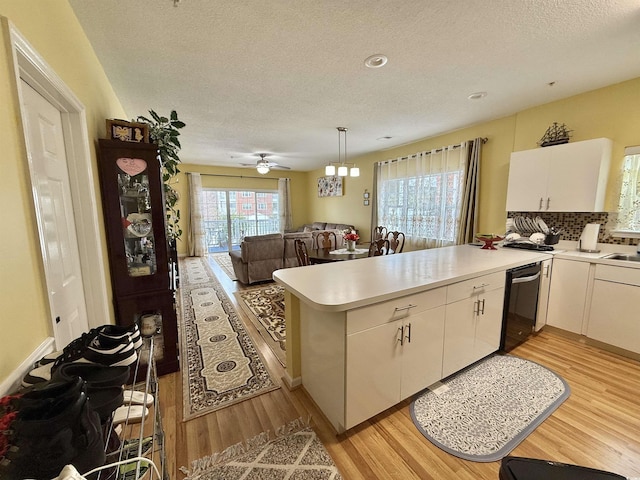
x=221, y=365
x=485, y=411
x=294, y=452
x=265, y=307
x=224, y=262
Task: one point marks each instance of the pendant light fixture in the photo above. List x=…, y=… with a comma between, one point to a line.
x=343, y=169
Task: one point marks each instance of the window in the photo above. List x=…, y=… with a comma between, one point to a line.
x=230, y=215
x=629, y=203
x=422, y=196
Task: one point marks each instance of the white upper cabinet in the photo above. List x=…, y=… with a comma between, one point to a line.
x=571, y=177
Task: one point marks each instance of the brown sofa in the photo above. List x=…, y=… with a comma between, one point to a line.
x=261, y=255
x=316, y=227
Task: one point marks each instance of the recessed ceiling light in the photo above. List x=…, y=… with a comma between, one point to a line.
x=477, y=95
x=376, y=61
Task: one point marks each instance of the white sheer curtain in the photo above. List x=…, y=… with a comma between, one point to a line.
x=629, y=203
x=284, y=204
x=195, y=234
x=422, y=196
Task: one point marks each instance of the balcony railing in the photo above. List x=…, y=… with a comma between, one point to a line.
x=216, y=236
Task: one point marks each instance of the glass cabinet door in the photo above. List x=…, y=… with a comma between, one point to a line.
x=137, y=221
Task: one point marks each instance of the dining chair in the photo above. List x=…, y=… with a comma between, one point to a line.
x=379, y=247
x=301, y=253
x=396, y=242
x=379, y=232
x=327, y=240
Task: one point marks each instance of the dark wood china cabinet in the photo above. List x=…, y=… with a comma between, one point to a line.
x=140, y=259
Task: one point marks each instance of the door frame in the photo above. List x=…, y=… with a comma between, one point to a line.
x=32, y=68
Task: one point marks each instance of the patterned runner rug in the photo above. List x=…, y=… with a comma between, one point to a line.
x=265, y=307
x=485, y=411
x=221, y=365
x=224, y=261
x=293, y=452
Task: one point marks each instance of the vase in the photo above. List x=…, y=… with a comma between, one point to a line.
x=351, y=245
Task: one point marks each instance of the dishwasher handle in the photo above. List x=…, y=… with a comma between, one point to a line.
x=529, y=278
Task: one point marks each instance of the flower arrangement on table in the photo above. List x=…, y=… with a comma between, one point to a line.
x=350, y=237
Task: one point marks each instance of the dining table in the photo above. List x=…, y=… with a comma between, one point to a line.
x=327, y=255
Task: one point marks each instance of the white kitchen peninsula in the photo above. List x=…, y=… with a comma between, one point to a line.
x=365, y=334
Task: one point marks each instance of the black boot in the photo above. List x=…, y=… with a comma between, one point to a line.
x=51, y=432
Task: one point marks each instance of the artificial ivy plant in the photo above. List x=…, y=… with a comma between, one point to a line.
x=164, y=132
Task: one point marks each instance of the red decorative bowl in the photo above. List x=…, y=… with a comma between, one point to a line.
x=489, y=241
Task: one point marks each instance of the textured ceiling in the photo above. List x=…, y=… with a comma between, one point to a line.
x=278, y=76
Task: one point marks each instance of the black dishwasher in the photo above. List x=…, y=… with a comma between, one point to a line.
x=520, y=305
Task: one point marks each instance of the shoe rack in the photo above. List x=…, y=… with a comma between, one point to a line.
x=141, y=453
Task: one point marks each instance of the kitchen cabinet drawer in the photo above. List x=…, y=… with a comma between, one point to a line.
x=473, y=286
x=628, y=276
x=392, y=310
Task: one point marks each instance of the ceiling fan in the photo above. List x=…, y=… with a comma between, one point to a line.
x=263, y=165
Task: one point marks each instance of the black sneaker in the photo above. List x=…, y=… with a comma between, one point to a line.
x=114, y=332
x=103, y=350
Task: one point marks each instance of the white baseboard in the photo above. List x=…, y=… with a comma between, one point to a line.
x=13, y=382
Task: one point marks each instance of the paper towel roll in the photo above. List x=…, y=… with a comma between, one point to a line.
x=589, y=237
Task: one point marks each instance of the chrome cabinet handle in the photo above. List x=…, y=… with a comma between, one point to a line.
x=482, y=312
x=476, y=287
x=540, y=207
x=548, y=202
x=476, y=307
x=546, y=270
x=407, y=307
x=401, y=339
x=408, y=337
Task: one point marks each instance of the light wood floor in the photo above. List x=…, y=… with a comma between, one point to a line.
x=598, y=426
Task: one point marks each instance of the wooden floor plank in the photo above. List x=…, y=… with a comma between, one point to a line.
x=598, y=426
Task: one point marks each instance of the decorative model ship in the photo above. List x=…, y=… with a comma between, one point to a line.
x=555, y=135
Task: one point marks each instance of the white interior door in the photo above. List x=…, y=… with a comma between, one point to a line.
x=54, y=210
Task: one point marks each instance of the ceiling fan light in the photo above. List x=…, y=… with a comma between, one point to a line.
x=354, y=172
x=343, y=171
x=330, y=170
x=262, y=168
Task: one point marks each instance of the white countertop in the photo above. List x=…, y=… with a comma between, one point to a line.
x=342, y=286
x=569, y=251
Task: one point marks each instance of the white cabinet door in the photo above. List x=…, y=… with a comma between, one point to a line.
x=613, y=317
x=472, y=330
x=489, y=324
x=422, y=351
x=527, y=186
x=567, y=295
x=562, y=178
x=373, y=371
x=543, y=295
x=459, y=335
x=578, y=175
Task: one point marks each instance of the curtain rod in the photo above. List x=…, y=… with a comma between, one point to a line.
x=437, y=150
x=234, y=176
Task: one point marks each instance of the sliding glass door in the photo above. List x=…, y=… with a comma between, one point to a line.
x=230, y=215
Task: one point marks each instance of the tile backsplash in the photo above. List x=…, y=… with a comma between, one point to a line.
x=572, y=224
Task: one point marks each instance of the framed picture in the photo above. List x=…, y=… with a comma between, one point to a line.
x=127, y=131
x=330, y=186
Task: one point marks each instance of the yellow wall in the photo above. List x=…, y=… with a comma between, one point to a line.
x=52, y=30
x=239, y=178
x=610, y=112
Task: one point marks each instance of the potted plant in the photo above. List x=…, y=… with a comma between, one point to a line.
x=164, y=132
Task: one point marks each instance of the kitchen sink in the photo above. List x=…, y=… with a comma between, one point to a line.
x=624, y=257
